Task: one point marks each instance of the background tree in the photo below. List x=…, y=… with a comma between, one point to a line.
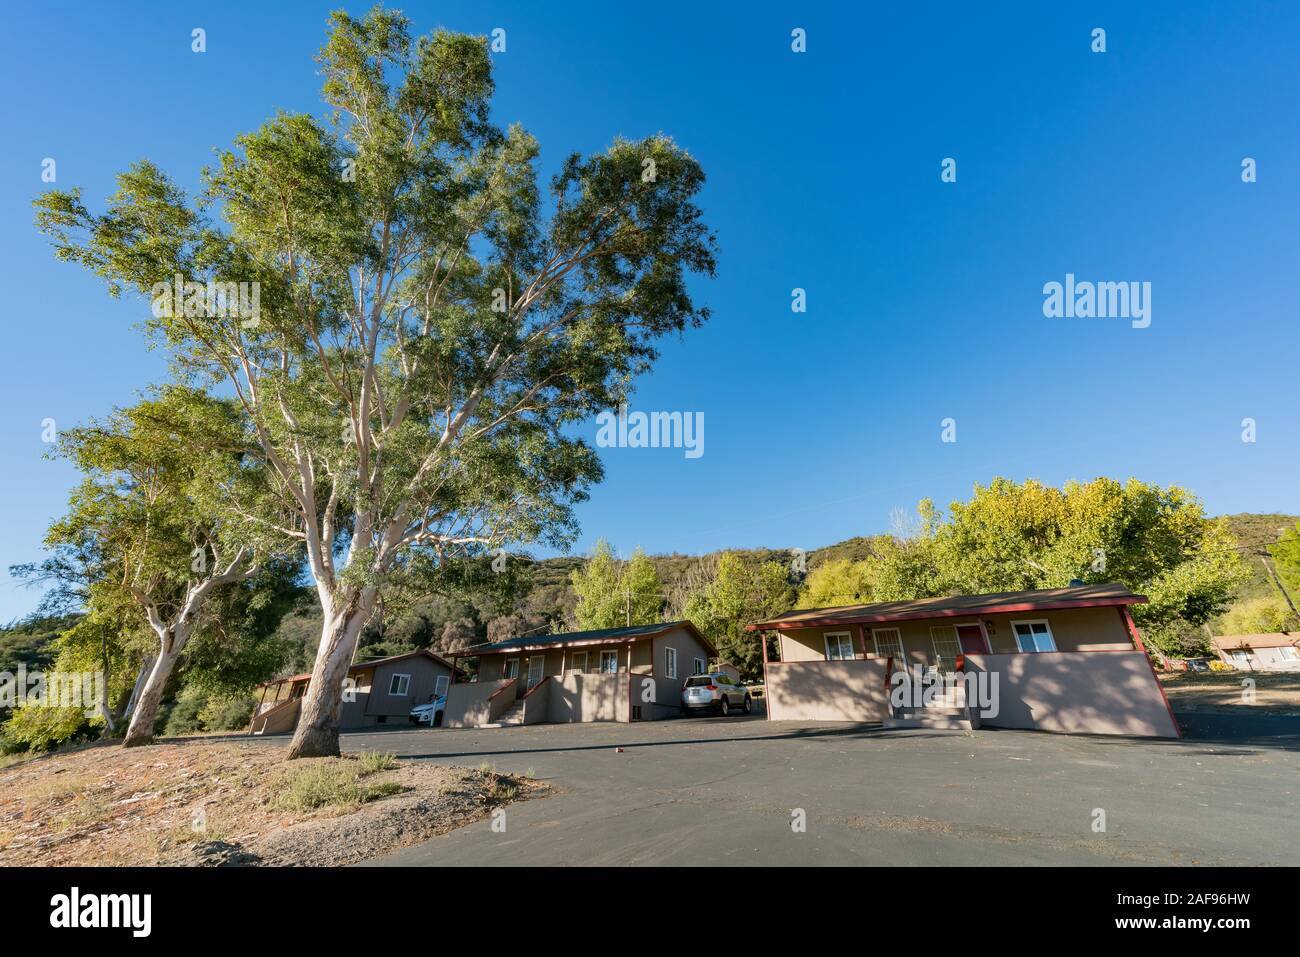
x=838, y=582
x=1255, y=616
x=614, y=594
x=145, y=509
x=740, y=592
x=424, y=333
x=1011, y=536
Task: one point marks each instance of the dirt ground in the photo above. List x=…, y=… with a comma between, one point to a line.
x=212, y=803
x=1274, y=692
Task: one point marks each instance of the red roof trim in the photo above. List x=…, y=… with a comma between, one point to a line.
x=1005, y=609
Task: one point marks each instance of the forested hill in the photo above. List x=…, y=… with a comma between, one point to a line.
x=549, y=601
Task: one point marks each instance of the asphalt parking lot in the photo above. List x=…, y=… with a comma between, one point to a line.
x=726, y=791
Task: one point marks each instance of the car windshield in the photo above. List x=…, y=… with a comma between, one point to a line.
x=699, y=681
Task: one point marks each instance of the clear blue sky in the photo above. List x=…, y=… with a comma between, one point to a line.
x=924, y=298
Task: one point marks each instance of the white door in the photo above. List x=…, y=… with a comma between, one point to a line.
x=535, y=666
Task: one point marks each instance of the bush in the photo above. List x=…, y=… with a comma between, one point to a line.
x=222, y=713
x=196, y=709
x=326, y=782
x=37, y=728
x=183, y=716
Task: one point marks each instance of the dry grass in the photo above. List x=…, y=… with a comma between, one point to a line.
x=1276, y=692
x=196, y=802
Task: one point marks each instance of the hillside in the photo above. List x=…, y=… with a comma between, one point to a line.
x=550, y=600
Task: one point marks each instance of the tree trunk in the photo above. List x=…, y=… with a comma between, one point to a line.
x=317, y=734
x=140, y=730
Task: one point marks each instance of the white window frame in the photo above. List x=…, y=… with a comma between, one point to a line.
x=670, y=663
x=440, y=685
x=506, y=669
x=901, y=656
x=1288, y=652
x=945, y=663
x=603, y=655
x=573, y=663
x=1051, y=637
x=406, y=686
x=701, y=666
x=838, y=636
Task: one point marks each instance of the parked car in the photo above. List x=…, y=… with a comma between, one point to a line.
x=430, y=712
x=714, y=692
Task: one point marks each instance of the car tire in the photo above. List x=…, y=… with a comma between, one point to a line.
x=749, y=705
x=415, y=720
x=724, y=707
x=437, y=719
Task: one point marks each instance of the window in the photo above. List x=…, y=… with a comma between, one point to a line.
x=578, y=663
x=889, y=644
x=839, y=646
x=440, y=685
x=1033, y=635
x=1289, y=653
x=512, y=668
x=609, y=662
x=672, y=662
x=399, y=685
x=700, y=666
x=1242, y=658
x=947, y=646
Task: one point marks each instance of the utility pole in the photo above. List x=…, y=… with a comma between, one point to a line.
x=1263, y=559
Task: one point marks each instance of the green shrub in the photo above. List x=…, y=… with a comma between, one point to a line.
x=372, y=762
x=183, y=715
x=335, y=782
x=38, y=728
x=222, y=713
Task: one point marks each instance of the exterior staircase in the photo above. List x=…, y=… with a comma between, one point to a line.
x=947, y=712
x=509, y=718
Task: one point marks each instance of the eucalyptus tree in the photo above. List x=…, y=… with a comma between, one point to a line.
x=146, y=511
x=424, y=335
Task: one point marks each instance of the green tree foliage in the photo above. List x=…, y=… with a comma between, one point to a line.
x=427, y=326
x=1286, y=560
x=1011, y=536
x=1256, y=616
x=741, y=591
x=838, y=582
x=614, y=594
x=143, y=544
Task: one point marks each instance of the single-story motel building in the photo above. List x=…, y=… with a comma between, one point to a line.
x=381, y=691
x=1064, y=659
x=1271, y=651
x=614, y=674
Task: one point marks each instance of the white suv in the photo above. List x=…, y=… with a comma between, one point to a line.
x=715, y=692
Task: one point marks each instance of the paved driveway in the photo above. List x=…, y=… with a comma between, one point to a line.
x=724, y=791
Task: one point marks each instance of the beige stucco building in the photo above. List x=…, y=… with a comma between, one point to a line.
x=1065, y=659
x=615, y=674
x=382, y=691
x=1271, y=651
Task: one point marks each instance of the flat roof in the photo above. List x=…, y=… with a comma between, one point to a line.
x=955, y=606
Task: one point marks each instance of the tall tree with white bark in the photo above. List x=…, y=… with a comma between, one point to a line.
x=424, y=337
x=145, y=512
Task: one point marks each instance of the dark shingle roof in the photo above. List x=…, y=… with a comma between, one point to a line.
x=1040, y=599
x=596, y=637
